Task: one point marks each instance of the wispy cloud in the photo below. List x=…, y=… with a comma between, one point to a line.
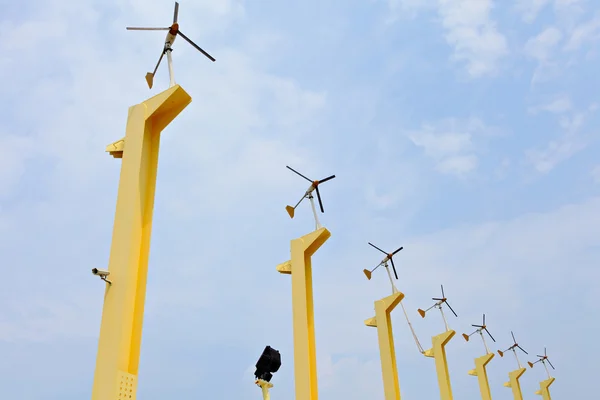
x=542, y=48
x=530, y=8
x=474, y=35
x=558, y=105
x=570, y=141
x=586, y=32
x=450, y=143
x=469, y=28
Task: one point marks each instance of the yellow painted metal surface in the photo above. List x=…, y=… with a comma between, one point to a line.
x=545, y=388
x=300, y=267
x=513, y=383
x=383, y=322
x=120, y=339
x=438, y=352
x=264, y=386
x=481, y=374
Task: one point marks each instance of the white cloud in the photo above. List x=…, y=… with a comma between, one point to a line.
x=469, y=29
x=530, y=8
x=541, y=47
x=473, y=34
x=565, y=146
x=559, y=105
x=585, y=32
x=450, y=143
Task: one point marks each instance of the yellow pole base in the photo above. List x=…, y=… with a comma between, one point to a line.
x=120, y=338
x=300, y=267
x=513, y=383
x=545, y=388
x=383, y=322
x=481, y=374
x=265, y=386
x=438, y=352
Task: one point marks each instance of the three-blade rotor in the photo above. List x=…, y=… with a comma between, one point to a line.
x=480, y=328
x=439, y=302
x=443, y=300
x=543, y=359
x=314, y=186
x=388, y=257
x=173, y=32
x=515, y=345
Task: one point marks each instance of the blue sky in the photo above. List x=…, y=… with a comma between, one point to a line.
x=464, y=130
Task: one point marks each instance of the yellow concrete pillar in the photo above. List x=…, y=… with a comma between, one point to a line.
x=123, y=312
x=513, y=383
x=545, y=388
x=383, y=322
x=481, y=374
x=438, y=352
x=300, y=267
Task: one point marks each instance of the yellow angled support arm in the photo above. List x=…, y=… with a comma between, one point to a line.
x=513, y=383
x=300, y=267
x=438, y=351
x=383, y=322
x=545, y=388
x=120, y=339
x=481, y=374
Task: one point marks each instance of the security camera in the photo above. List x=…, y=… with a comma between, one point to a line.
x=101, y=273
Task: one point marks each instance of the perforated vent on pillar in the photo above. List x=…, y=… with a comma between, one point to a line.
x=127, y=386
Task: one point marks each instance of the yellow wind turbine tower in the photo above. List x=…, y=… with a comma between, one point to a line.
x=120, y=339
x=383, y=322
x=545, y=384
x=514, y=376
x=300, y=267
x=438, y=349
x=481, y=362
x=119, y=344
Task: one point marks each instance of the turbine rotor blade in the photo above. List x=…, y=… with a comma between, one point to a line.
x=326, y=179
x=377, y=248
x=293, y=170
x=394, y=268
x=451, y=309
x=175, y=12
x=129, y=28
x=488, y=332
x=550, y=364
x=319, y=198
x=397, y=250
x=211, y=58
x=513, y=336
x=522, y=349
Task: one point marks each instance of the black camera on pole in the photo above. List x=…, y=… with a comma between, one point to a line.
x=268, y=363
